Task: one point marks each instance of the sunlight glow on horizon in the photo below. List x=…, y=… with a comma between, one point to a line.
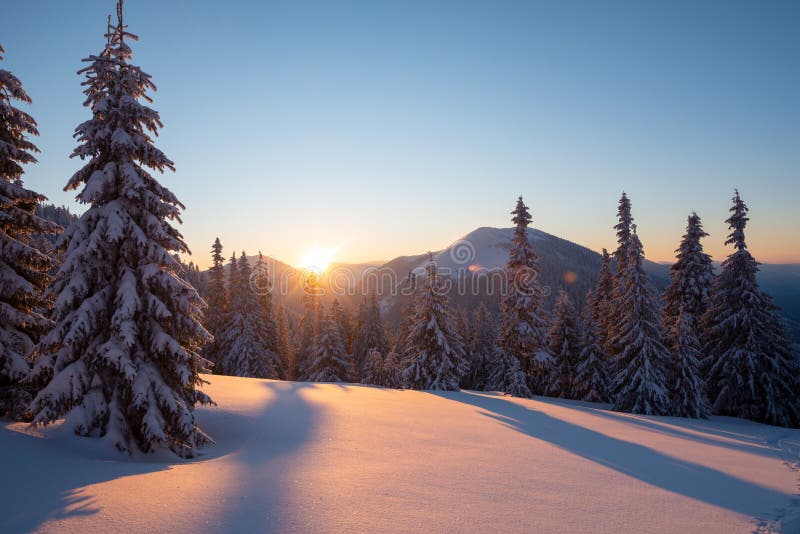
x=318, y=258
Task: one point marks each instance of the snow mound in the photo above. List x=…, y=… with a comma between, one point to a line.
x=302, y=457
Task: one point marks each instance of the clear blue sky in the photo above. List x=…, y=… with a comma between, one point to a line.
x=395, y=127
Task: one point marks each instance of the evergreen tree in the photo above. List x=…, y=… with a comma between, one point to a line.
x=217, y=299
x=481, y=347
x=285, y=351
x=689, y=390
x=435, y=357
x=261, y=284
x=370, y=334
x=623, y=229
x=331, y=362
x=640, y=382
x=244, y=347
x=600, y=300
x=462, y=322
x=752, y=368
x=691, y=279
x=404, y=328
x=506, y=375
x=523, y=325
x=563, y=345
x=591, y=375
x=304, y=353
x=614, y=310
x=393, y=371
x=345, y=324
x=122, y=361
x=374, y=373
x=389, y=333
x=23, y=268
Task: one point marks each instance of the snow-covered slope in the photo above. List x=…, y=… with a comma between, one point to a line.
x=299, y=457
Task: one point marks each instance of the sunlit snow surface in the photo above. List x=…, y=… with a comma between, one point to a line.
x=328, y=458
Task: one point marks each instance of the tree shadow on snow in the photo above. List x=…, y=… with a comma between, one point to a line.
x=643, y=463
x=44, y=480
x=272, y=437
x=704, y=431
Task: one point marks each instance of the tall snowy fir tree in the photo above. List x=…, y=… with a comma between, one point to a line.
x=614, y=310
x=435, y=357
x=563, y=345
x=623, y=229
x=304, y=352
x=523, y=323
x=331, y=363
x=285, y=349
x=481, y=347
x=688, y=389
x=370, y=334
x=122, y=361
x=461, y=324
x=345, y=323
x=217, y=300
x=691, y=280
x=243, y=345
x=404, y=328
x=600, y=300
x=23, y=268
x=591, y=380
x=506, y=375
x=261, y=283
x=374, y=372
x=640, y=381
x=752, y=368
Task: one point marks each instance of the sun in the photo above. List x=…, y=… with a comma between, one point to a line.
x=318, y=259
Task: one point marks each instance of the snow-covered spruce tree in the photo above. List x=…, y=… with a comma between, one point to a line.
x=389, y=332
x=261, y=284
x=285, y=351
x=370, y=334
x=563, y=345
x=615, y=309
x=23, y=268
x=640, y=381
x=591, y=374
x=345, y=323
x=244, y=348
x=304, y=352
x=217, y=300
x=506, y=375
x=688, y=390
x=523, y=321
x=403, y=329
x=600, y=300
x=374, y=373
x=623, y=229
x=481, y=347
x=461, y=326
x=122, y=361
x=691, y=279
x=435, y=356
x=752, y=368
x=393, y=371
x=461, y=323
x=331, y=362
